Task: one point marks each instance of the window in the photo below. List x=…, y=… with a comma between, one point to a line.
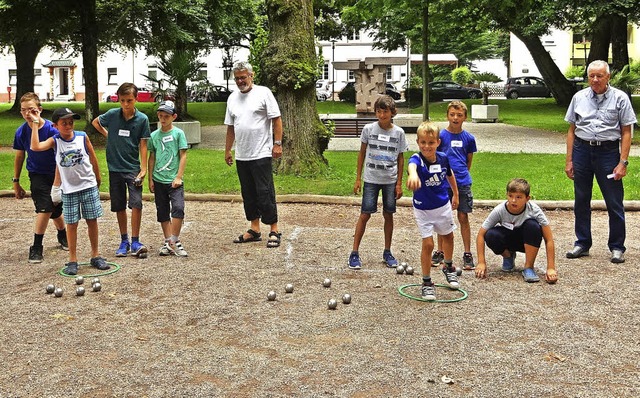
x=389, y=73
x=112, y=76
x=13, y=76
x=351, y=76
x=325, y=70
x=37, y=77
x=355, y=35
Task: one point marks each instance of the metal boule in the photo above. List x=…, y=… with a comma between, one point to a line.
x=271, y=296
x=288, y=288
x=332, y=304
x=346, y=298
x=326, y=282
x=50, y=289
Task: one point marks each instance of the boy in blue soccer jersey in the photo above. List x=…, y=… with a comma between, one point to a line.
x=459, y=145
x=431, y=205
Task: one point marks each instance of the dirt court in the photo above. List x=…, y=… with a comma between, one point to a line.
x=202, y=326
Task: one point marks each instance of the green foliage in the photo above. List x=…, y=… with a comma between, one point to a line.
x=461, y=75
x=486, y=77
x=573, y=72
x=625, y=80
x=256, y=48
x=348, y=94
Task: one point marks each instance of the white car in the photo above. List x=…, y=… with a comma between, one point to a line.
x=323, y=90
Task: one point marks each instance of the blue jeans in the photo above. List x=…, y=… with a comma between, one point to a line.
x=598, y=161
x=370, y=198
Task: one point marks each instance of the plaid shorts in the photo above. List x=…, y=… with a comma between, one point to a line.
x=85, y=204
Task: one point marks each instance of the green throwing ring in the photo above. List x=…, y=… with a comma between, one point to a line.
x=455, y=300
x=115, y=268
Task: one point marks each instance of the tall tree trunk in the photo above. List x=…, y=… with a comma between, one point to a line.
x=290, y=69
x=26, y=50
x=600, y=39
x=425, y=60
x=561, y=88
x=619, y=48
x=89, y=31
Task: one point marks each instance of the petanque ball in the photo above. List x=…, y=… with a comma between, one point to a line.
x=142, y=255
x=409, y=270
x=403, y=264
x=326, y=282
x=458, y=271
x=400, y=269
x=271, y=296
x=80, y=291
x=288, y=288
x=51, y=289
x=332, y=304
x=79, y=280
x=346, y=299
x=58, y=292
x=97, y=287
x=95, y=280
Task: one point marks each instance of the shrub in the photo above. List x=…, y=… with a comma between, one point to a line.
x=461, y=75
x=348, y=94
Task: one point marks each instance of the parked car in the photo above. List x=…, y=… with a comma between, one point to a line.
x=144, y=95
x=392, y=92
x=451, y=90
x=323, y=90
x=348, y=92
x=526, y=86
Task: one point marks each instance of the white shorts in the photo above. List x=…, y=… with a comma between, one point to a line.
x=438, y=220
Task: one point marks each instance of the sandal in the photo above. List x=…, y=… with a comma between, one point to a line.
x=255, y=237
x=274, y=239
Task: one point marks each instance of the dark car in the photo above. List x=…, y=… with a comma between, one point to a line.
x=205, y=92
x=392, y=92
x=452, y=90
x=526, y=86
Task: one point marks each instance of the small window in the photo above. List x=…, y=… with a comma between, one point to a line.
x=37, y=77
x=112, y=76
x=351, y=76
x=389, y=72
x=13, y=77
x=325, y=70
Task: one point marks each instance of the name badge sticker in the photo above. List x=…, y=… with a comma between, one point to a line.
x=435, y=168
x=168, y=138
x=124, y=133
x=508, y=225
x=384, y=137
x=456, y=144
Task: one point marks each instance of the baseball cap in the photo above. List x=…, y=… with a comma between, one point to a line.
x=63, y=113
x=167, y=106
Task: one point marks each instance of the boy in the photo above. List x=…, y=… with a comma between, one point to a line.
x=80, y=177
x=517, y=225
x=431, y=205
x=459, y=146
x=127, y=132
x=167, y=160
x=381, y=148
x=42, y=168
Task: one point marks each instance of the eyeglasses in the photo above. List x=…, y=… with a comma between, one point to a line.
x=27, y=110
x=241, y=78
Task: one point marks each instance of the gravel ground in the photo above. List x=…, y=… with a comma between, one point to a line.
x=202, y=326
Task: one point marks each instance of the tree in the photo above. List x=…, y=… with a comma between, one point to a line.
x=290, y=68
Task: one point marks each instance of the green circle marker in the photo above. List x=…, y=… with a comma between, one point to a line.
x=115, y=268
x=454, y=300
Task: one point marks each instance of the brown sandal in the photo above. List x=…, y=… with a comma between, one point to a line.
x=255, y=237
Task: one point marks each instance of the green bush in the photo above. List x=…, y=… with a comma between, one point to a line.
x=348, y=94
x=573, y=72
x=461, y=75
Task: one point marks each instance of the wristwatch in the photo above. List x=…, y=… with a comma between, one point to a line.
x=277, y=142
x=625, y=162
x=15, y=180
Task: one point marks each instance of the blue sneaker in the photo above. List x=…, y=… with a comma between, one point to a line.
x=71, y=268
x=138, y=249
x=530, y=275
x=508, y=263
x=354, y=261
x=124, y=248
x=389, y=259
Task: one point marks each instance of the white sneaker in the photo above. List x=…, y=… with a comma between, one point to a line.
x=166, y=249
x=178, y=249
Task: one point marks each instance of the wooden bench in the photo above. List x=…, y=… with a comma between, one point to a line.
x=350, y=127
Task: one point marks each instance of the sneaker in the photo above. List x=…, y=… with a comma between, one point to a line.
x=138, y=249
x=452, y=277
x=166, y=250
x=179, y=250
x=437, y=258
x=63, y=242
x=354, y=261
x=428, y=292
x=617, y=256
x=467, y=261
x=100, y=263
x=35, y=255
x=71, y=268
x=508, y=263
x=124, y=248
x=389, y=259
x=530, y=276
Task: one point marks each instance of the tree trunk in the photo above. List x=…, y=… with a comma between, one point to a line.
x=425, y=61
x=26, y=50
x=601, y=37
x=290, y=69
x=560, y=87
x=619, y=48
x=89, y=31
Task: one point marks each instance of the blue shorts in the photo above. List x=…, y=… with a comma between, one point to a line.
x=465, y=198
x=370, y=198
x=119, y=184
x=85, y=204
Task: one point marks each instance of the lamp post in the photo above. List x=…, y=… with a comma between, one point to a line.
x=333, y=70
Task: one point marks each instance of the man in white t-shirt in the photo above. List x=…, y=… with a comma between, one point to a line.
x=254, y=123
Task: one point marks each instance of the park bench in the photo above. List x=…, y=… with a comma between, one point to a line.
x=350, y=127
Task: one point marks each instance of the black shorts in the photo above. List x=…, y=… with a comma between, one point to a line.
x=119, y=184
x=41, y=194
